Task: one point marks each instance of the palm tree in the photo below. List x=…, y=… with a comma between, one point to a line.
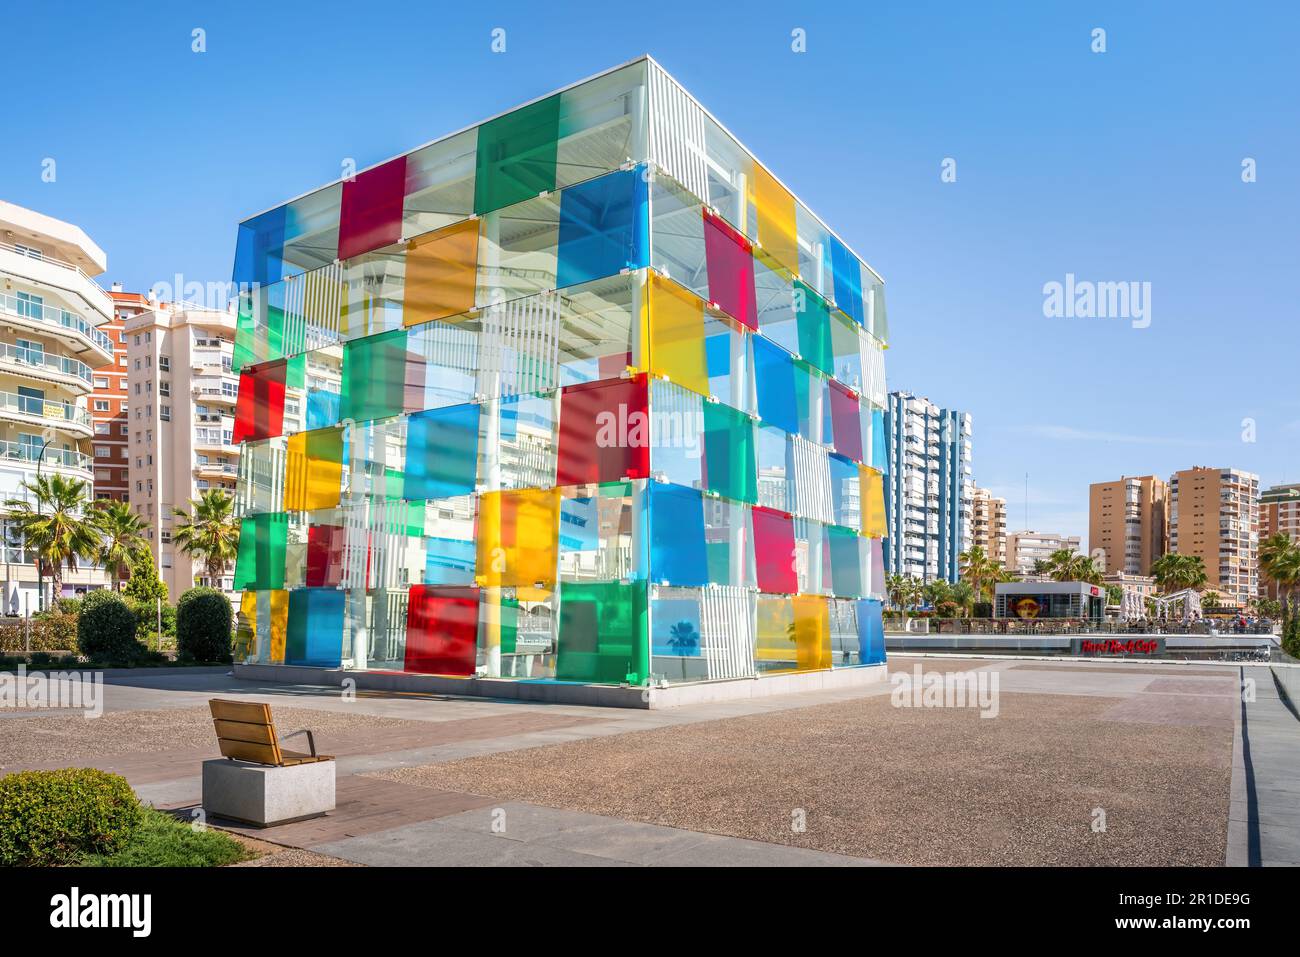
x=1279, y=559
x=123, y=536
x=1210, y=599
x=211, y=534
x=980, y=571
x=58, y=530
x=937, y=592
x=1174, y=572
x=964, y=595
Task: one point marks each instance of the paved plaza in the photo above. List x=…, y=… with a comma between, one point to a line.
x=1167, y=757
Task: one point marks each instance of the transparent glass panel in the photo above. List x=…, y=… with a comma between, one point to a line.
x=517, y=250
x=439, y=184
x=676, y=434
x=677, y=232
x=602, y=125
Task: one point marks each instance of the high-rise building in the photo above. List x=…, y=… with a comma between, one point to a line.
x=1214, y=513
x=1127, y=521
x=989, y=524
x=109, y=406
x=929, y=492
x=49, y=342
x=1026, y=547
x=505, y=408
x=1279, y=511
x=182, y=400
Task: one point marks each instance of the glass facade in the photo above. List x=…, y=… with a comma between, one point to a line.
x=580, y=394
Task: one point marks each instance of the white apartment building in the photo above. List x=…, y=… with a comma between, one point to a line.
x=989, y=524
x=50, y=311
x=1026, y=547
x=929, y=491
x=182, y=404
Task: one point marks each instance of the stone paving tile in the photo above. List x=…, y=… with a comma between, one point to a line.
x=434, y=844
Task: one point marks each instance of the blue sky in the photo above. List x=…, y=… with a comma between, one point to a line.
x=1122, y=166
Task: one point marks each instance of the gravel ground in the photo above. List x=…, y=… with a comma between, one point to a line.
x=902, y=785
x=295, y=857
x=71, y=738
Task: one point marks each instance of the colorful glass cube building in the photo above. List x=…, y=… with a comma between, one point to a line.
x=580, y=394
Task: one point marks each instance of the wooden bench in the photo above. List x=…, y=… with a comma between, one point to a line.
x=256, y=780
x=246, y=732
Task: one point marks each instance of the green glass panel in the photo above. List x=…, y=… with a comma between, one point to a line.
x=374, y=376
x=509, y=625
x=814, y=328
x=245, y=334
x=603, y=636
x=260, y=561
x=516, y=155
x=729, y=453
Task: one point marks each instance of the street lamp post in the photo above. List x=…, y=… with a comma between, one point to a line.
x=40, y=578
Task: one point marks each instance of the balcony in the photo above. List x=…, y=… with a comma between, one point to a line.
x=57, y=274
x=80, y=335
x=213, y=393
x=64, y=370
x=45, y=412
x=29, y=456
x=216, y=469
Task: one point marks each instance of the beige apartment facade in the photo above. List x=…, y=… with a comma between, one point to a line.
x=1214, y=513
x=182, y=401
x=989, y=524
x=1128, y=523
x=1279, y=511
x=51, y=314
x=1026, y=547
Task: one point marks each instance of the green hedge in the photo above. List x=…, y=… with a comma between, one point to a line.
x=50, y=818
x=106, y=629
x=204, y=626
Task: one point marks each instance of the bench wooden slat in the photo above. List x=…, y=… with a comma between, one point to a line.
x=247, y=751
x=244, y=731
x=240, y=711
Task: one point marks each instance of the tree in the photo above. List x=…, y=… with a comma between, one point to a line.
x=122, y=534
x=1279, y=559
x=106, y=629
x=1211, y=599
x=204, y=629
x=58, y=529
x=937, y=592
x=144, y=585
x=980, y=571
x=211, y=533
x=1174, y=572
x=964, y=595
x=1114, y=595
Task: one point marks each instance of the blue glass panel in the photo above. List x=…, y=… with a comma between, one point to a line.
x=604, y=227
x=774, y=380
x=579, y=524
x=845, y=493
x=675, y=624
x=259, y=250
x=677, y=552
x=322, y=408
x=848, y=281
x=315, y=632
x=871, y=632
x=879, y=459
x=442, y=452
x=449, y=561
x=843, y=546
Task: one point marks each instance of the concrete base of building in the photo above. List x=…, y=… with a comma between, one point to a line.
x=674, y=696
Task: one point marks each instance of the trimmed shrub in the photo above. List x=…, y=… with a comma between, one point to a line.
x=106, y=629
x=51, y=818
x=204, y=626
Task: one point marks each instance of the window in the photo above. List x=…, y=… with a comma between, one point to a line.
x=164, y=388
x=164, y=364
x=139, y=486
x=148, y=362
x=103, y=452
x=101, y=405
x=121, y=336
x=165, y=413
x=165, y=535
x=101, y=382
x=125, y=428
x=148, y=337
x=121, y=360
x=137, y=366
x=101, y=428
x=137, y=340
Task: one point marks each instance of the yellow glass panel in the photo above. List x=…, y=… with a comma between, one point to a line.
x=517, y=537
x=246, y=626
x=277, y=609
x=313, y=473
x=776, y=218
x=872, y=491
x=677, y=335
x=774, y=649
x=441, y=272
x=812, y=632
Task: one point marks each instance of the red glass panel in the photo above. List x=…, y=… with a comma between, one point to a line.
x=774, y=550
x=371, y=216
x=259, y=411
x=604, y=431
x=325, y=555
x=442, y=629
x=845, y=422
x=730, y=262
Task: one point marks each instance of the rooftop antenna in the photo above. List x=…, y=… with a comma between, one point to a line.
x=1026, y=500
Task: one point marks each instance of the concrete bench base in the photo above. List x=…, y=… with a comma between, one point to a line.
x=264, y=796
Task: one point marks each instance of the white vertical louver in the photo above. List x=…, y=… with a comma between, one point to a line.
x=322, y=301
x=812, y=481
x=520, y=349
x=873, y=368
x=727, y=631
x=677, y=134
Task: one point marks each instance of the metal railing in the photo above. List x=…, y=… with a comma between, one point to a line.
x=25, y=452
x=44, y=408
x=66, y=365
x=53, y=316
x=1071, y=626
